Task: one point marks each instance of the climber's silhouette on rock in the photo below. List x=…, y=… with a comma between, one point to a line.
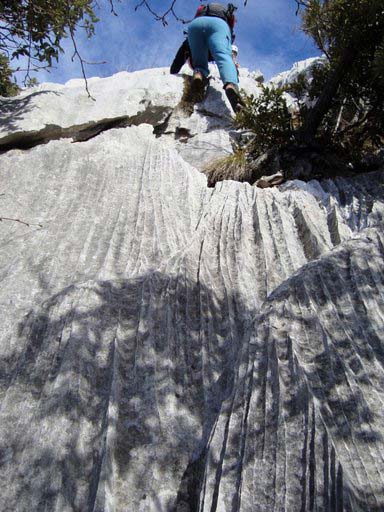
x=210, y=37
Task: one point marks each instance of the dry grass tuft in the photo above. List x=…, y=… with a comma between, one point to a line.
x=232, y=167
x=186, y=102
x=189, y=98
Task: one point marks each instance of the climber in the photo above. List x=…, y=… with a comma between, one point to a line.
x=183, y=55
x=211, y=31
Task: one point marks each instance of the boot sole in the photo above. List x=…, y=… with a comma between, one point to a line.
x=234, y=99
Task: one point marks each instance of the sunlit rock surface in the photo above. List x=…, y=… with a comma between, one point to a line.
x=169, y=347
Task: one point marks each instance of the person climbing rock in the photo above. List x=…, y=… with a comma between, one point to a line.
x=212, y=30
x=211, y=33
x=183, y=55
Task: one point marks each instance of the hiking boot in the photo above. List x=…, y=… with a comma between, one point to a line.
x=233, y=95
x=199, y=86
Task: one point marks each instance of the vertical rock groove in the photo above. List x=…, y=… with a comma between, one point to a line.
x=169, y=347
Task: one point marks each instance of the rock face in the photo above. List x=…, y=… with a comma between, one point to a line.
x=169, y=347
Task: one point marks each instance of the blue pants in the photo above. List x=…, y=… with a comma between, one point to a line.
x=213, y=34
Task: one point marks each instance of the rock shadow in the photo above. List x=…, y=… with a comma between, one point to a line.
x=116, y=393
x=329, y=315
x=15, y=109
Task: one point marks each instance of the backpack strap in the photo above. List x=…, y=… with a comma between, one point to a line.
x=231, y=15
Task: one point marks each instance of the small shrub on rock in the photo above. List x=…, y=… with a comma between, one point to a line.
x=267, y=117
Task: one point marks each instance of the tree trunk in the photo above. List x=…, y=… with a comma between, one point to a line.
x=316, y=114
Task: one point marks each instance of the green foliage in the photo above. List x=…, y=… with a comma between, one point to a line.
x=35, y=29
x=337, y=24
x=32, y=82
x=340, y=104
x=378, y=63
x=267, y=117
x=299, y=88
x=355, y=119
x=7, y=85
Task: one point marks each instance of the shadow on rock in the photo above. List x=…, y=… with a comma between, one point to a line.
x=15, y=109
x=328, y=324
x=153, y=394
x=115, y=394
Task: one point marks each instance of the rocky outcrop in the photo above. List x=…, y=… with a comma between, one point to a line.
x=169, y=347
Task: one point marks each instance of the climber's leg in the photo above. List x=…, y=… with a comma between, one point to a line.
x=220, y=45
x=197, y=39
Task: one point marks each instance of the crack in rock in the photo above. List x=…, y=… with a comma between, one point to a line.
x=156, y=116
x=161, y=128
x=183, y=134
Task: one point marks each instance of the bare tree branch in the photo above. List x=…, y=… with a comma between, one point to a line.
x=301, y=3
x=27, y=76
x=34, y=67
x=161, y=17
x=112, y=7
x=76, y=53
x=169, y=12
x=339, y=117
